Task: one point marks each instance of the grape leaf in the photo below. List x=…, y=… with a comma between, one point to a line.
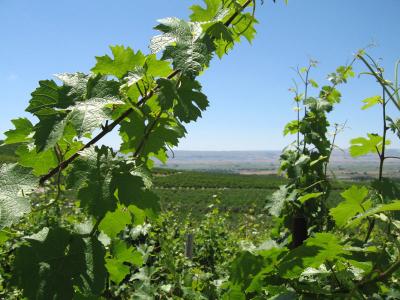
x=125, y=59
x=183, y=44
x=291, y=128
x=166, y=131
x=167, y=93
x=55, y=261
x=209, y=13
x=279, y=199
x=245, y=27
x=313, y=83
x=122, y=254
x=92, y=176
x=314, y=252
x=191, y=57
x=219, y=32
x=371, y=101
x=353, y=204
x=15, y=183
x=50, y=130
x=76, y=83
x=81, y=92
x=362, y=146
x=117, y=270
x=157, y=68
x=191, y=101
x=244, y=268
x=393, y=206
x=22, y=132
x=173, y=29
x=86, y=116
x=47, y=97
x=40, y=162
x=306, y=197
x=114, y=222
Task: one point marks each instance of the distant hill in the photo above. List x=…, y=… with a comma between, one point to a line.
x=267, y=162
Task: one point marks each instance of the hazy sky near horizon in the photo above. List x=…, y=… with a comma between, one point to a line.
x=248, y=89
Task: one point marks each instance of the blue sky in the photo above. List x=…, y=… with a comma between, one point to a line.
x=248, y=89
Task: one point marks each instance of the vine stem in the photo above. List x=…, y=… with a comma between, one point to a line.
x=381, y=159
x=108, y=128
x=379, y=79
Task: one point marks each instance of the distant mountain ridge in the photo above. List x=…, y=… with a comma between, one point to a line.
x=267, y=162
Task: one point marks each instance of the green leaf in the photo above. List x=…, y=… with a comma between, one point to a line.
x=86, y=116
x=56, y=261
x=212, y=11
x=345, y=72
x=139, y=216
x=157, y=68
x=314, y=252
x=245, y=27
x=49, y=131
x=362, y=146
x=183, y=44
x=279, y=199
x=218, y=31
x=166, y=132
x=60, y=107
x=125, y=59
x=116, y=221
x=76, y=84
x=15, y=183
x=167, y=93
x=99, y=87
x=234, y=293
x=131, y=130
x=191, y=101
x=388, y=188
x=394, y=125
x=22, y=132
x=148, y=202
x=40, y=162
x=47, y=97
x=330, y=94
x=222, y=47
x=393, y=206
x=92, y=175
x=244, y=268
x=371, y=101
x=271, y=258
x=130, y=190
x=133, y=77
x=291, y=128
x=313, y=83
x=353, y=204
x=121, y=256
x=117, y=270
x=307, y=197
x=173, y=29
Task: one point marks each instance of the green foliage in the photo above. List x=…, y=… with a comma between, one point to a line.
x=371, y=101
x=23, y=128
x=55, y=262
x=358, y=258
x=125, y=59
x=184, y=44
x=355, y=202
x=93, y=230
x=362, y=146
x=84, y=226
x=15, y=183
